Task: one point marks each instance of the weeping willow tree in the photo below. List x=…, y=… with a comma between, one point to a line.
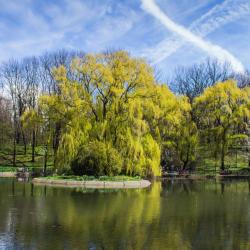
x=222, y=113
x=169, y=119
x=98, y=112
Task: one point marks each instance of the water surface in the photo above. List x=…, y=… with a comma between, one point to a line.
x=168, y=215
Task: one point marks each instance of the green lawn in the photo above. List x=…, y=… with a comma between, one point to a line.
x=22, y=159
x=93, y=178
x=208, y=165
x=7, y=169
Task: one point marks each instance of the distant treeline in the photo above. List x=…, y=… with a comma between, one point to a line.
x=106, y=114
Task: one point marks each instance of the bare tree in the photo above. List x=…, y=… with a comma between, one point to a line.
x=24, y=81
x=49, y=61
x=191, y=81
x=243, y=80
x=12, y=80
x=30, y=70
x=5, y=119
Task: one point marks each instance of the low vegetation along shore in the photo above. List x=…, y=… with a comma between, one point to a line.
x=108, y=115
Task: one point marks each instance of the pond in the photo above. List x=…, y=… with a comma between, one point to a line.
x=171, y=214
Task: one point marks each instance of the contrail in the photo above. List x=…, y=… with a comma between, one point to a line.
x=221, y=54
x=216, y=17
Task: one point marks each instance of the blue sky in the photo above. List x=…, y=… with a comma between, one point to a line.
x=31, y=27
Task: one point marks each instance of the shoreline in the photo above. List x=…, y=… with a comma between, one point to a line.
x=7, y=174
x=181, y=177
x=120, y=184
x=208, y=177
x=93, y=184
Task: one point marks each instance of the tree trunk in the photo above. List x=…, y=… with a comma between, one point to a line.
x=24, y=143
x=223, y=151
x=187, y=158
x=236, y=158
x=33, y=145
x=14, y=152
x=17, y=135
x=45, y=160
x=248, y=152
x=14, y=143
x=222, y=166
x=56, y=140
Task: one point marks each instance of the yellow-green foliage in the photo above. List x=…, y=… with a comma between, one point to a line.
x=97, y=158
x=152, y=156
x=223, y=112
x=170, y=123
x=112, y=101
x=105, y=104
x=70, y=110
x=222, y=106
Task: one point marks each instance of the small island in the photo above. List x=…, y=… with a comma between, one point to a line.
x=115, y=182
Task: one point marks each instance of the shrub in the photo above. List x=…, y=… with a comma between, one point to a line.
x=97, y=158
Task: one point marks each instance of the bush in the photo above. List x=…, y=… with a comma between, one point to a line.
x=64, y=171
x=97, y=158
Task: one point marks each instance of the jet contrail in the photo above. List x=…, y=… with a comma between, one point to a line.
x=216, y=17
x=221, y=54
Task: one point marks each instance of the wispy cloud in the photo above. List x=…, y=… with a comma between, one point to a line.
x=31, y=27
x=78, y=24
x=217, y=16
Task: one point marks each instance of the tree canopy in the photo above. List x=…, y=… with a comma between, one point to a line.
x=105, y=114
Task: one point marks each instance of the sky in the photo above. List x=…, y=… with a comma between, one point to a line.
x=167, y=33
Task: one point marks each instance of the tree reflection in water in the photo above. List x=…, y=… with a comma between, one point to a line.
x=170, y=214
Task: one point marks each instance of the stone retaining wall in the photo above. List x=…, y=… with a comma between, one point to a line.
x=93, y=184
x=7, y=174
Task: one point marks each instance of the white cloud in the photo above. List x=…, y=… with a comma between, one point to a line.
x=219, y=15
x=74, y=24
x=169, y=46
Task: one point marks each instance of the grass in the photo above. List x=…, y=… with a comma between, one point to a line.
x=93, y=178
x=209, y=166
x=7, y=169
x=22, y=159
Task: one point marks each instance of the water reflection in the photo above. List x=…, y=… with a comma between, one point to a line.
x=169, y=215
